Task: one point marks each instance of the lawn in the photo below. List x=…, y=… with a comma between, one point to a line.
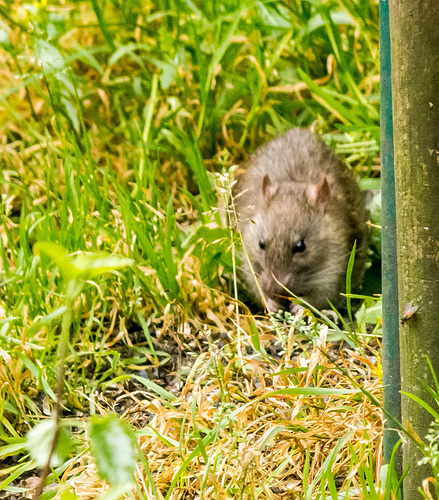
x=121, y=124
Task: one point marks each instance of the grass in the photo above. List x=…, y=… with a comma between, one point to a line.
x=120, y=125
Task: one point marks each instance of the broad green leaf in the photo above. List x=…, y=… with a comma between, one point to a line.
x=48, y=55
x=113, y=445
x=116, y=492
x=370, y=184
x=370, y=314
x=39, y=443
x=67, y=493
x=5, y=41
x=82, y=266
x=168, y=76
x=59, y=256
x=92, y=265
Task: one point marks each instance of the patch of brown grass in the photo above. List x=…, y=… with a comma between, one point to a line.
x=256, y=439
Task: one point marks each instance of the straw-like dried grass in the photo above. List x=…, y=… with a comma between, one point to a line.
x=236, y=432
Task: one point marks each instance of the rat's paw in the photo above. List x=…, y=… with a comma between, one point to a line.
x=332, y=315
x=295, y=308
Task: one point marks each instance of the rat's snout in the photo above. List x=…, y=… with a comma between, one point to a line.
x=275, y=294
x=279, y=303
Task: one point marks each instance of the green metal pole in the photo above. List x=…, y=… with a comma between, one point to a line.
x=391, y=363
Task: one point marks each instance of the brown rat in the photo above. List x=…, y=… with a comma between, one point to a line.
x=299, y=212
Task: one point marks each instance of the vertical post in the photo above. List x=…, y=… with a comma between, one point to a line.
x=389, y=269
x=414, y=31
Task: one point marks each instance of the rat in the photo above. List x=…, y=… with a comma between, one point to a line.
x=299, y=211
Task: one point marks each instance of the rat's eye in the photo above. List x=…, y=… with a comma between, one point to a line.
x=262, y=244
x=299, y=246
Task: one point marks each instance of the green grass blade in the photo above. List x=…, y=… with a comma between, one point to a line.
x=349, y=280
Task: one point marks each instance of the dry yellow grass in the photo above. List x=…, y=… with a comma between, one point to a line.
x=257, y=438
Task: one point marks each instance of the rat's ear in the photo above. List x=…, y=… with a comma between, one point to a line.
x=319, y=194
x=268, y=188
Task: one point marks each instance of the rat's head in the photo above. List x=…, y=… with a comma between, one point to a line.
x=298, y=243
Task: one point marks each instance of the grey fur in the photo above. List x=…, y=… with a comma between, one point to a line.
x=297, y=205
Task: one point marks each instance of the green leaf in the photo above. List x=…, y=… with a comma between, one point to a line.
x=113, y=445
x=298, y=391
x=349, y=280
x=67, y=493
x=168, y=76
x=48, y=55
x=103, y=24
x=116, y=492
x=12, y=449
x=254, y=333
x=46, y=320
x=331, y=103
x=18, y=471
x=127, y=49
x=312, y=391
x=5, y=41
x=271, y=435
x=369, y=313
x=272, y=17
x=340, y=17
x=39, y=443
x=92, y=265
x=156, y=388
x=82, y=266
x=72, y=112
x=59, y=256
x=424, y=405
x=370, y=184
x=37, y=372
